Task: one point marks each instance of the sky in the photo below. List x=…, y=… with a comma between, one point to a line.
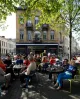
x=10, y=31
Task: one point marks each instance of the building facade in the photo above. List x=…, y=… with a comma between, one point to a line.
x=28, y=38
x=7, y=46
x=75, y=49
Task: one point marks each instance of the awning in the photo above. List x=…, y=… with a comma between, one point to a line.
x=36, y=44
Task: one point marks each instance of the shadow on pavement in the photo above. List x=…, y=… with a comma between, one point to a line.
x=42, y=89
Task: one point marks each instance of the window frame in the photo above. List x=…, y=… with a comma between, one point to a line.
x=36, y=20
x=21, y=34
x=52, y=35
x=44, y=35
x=29, y=37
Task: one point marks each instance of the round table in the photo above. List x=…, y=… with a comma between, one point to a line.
x=55, y=70
x=17, y=68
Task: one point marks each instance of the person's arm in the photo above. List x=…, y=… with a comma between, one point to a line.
x=17, y=62
x=2, y=72
x=11, y=62
x=28, y=70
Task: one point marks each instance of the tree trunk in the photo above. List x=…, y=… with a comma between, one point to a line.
x=70, y=41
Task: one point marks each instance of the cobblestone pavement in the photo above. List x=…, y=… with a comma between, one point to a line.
x=42, y=89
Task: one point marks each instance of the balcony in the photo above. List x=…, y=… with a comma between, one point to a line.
x=45, y=26
x=37, y=40
x=29, y=25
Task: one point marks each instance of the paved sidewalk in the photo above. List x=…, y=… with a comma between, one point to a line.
x=42, y=90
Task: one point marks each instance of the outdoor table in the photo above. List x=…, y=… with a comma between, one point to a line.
x=55, y=70
x=17, y=68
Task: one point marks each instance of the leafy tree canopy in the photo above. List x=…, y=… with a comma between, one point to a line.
x=54, y=12
x=6, y=7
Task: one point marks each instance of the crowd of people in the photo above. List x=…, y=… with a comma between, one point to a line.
x=32, y=63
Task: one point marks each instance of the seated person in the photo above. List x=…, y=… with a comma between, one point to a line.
x=9, y=67
x=52, y=60
x=4, y=78
x=8, y=61
x=65, y=64
x=68, y=74
x=26, y=62
x=19, y=60
x=44, y=63
x=2, y=65
x=26, y=73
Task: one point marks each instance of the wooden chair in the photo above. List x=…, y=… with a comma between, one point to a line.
x=76, y=78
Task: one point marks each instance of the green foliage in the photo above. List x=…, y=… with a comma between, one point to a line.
x=49, y=11
x=6, y=7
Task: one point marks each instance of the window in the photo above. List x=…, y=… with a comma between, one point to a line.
x=36, y=20
x=29, y=34
x=44, y=35
x=60, y=36
x=2, y=51
x=52, y=35
x=2, y=43
x=29, y=22
x=21, y=19
x=21, y=34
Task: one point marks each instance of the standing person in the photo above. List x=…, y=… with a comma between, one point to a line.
x=44, y=53
x=26, y=73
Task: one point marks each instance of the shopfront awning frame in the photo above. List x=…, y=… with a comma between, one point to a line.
x=34, y=44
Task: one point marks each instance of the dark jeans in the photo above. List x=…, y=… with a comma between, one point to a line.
x=22, y=78
x=25, y=78
x=50, y=75
x=45, y=66
x=10, y=70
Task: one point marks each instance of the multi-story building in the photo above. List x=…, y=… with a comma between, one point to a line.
x=66, y=46
x=74, y=46
x=7, y=46
x=28, y=38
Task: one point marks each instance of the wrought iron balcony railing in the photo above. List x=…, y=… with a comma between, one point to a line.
x=37, y=40
x=45, y=26
x=29, y=25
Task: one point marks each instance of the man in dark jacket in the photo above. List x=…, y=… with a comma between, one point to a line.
x=9, y=67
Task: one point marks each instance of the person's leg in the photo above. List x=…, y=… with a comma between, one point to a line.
x=64, y=77
x=12, y=74
x=7, y=80
x=59, y=79
x=50, y=75
x=22, y=77
x=27, y=80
